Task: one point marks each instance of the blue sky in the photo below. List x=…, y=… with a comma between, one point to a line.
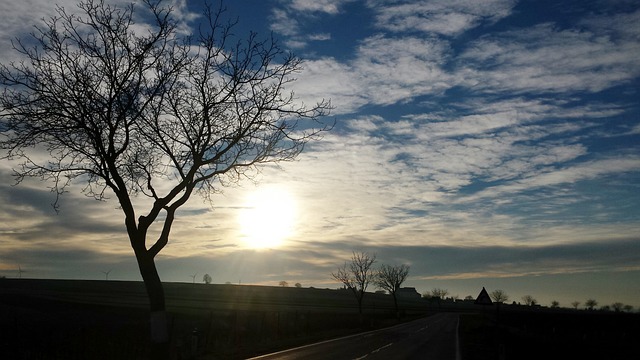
x=485, y=143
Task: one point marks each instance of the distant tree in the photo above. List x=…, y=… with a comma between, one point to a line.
x=468, y=298
x=617, y=306
x=628, y=308
x=206, y=279
x=436, y=294
x=193, y=277
x=439, y=293
x=605, y=308
x=283, y=283
x=575, y=304
x=356, y=275
x=499, y=296
x=390, y=278
x=121, y=107
x=555, y=304
x=590, y=304
x=529, y=300
x=298, y=285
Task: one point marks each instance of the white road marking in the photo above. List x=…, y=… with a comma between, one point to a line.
x=378, y=349
x=373, y=352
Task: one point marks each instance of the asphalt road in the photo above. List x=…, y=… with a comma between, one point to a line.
x=434, y=337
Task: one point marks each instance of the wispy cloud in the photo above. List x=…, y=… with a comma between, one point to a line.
x=443, y=17
x=313, y=6
x=289, y=19
x=546, y=58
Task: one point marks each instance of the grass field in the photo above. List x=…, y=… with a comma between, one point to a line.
x=525, y=334
x=69, y=319
x=72, y=319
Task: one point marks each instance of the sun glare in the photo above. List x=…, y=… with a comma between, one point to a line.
x=267, y=218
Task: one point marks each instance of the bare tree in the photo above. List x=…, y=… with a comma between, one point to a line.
x=575, y=304
x=145, y=110
x=617, y=306
x=356, y=275
x=590, y=304
x=390, y=278
x=439, y=293
x=499, y=296
x=529, y=300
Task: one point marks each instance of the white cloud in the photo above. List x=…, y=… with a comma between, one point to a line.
x=288, y=20
x=385, y=71
x=547, y=59
x=320, y=37
x=393, y=70
x=323, y=6
x=445, y=17
x=283, y=23
x=566, y=175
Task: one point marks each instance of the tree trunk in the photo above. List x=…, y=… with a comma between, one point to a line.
x=395, y=304
x=158, y=319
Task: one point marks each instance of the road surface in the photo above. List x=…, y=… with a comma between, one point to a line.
x=434, y=337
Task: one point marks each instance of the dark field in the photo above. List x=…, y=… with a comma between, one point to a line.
x=61, y=319
x=517, y=333
x=65, y=319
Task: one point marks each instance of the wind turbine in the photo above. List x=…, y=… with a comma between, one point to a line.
x=20, y=271
x=106, y=274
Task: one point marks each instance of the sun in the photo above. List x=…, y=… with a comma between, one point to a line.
x=268, y=217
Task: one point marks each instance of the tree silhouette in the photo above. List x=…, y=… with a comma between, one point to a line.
x=145, y=110
x=575, y=304
x=390, y=278
x=283, y=283
x=529, y=300
x=617, y=306
x=439, y=293
x=356, y=275
x=499, y=296
x=206, y=279
x=591, y=304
